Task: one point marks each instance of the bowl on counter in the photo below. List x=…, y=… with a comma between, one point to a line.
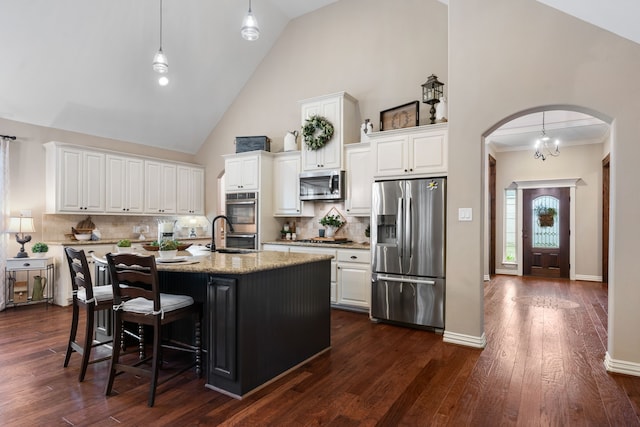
x=154, y=248
x=82, y=237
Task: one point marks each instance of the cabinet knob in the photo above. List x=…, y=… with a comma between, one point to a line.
x=26, y=264
x=411, y=170
x=406, y=170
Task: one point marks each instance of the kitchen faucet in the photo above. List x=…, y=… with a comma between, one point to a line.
x=213, y=230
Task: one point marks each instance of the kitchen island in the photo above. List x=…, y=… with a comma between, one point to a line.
x=265, y=313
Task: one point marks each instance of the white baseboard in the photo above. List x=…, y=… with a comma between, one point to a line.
x=465, y=340
x=505, y=271
x=588, y=278
x=621, y=366
x=487, y=277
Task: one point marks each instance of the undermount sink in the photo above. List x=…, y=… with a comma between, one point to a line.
x=234, y=251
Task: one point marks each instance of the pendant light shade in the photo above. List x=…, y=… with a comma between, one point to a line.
x=250, y=30
x=160, y=63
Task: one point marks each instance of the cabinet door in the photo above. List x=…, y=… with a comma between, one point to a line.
x=359, y=180
x=241, y=174
x=329, y=156
x=160, y=187
x=354, y=284
x=125, y=185
x=222, y=328
x=286, y=185
x=70, y=180
x=428, y=153
x=391, y=156
x=93, y=182
x=190, y=193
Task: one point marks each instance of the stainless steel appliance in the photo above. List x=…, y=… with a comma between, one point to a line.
x=322, y=185
x=242, y=211
x=408, y=244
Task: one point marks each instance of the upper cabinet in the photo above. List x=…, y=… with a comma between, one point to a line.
x=160, y=187
x=413, y=151
x=340, y=109
x=81, y=179
x=125, y=184
x=242, y=172
x=286, y=186
x=359, y=179
x=190, y=190
x=75, y=179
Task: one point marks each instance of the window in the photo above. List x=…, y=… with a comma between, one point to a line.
x=510, y=226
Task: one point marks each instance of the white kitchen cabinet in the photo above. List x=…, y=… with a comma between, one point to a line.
x=242, y=172
x=125, y=184
x=286, y=186
x=419, y=151
x=340, y=109
x=275, y=248
x=75, y=179
x=160, y=187
x=354, y=278
x=190, y=194
x=359, y=179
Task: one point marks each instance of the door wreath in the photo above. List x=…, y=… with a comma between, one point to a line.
x=317, y=131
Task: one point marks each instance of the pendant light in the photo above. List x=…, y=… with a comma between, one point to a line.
x=250, y=30
x=160, y=63
x=544, y=146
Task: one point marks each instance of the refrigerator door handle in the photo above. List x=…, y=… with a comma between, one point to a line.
x=400, y=229
x=405, y=280
x=409, y=222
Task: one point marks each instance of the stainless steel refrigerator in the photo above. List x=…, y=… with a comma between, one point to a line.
x=408, y=244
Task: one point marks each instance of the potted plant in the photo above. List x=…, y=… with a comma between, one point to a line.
x=40, y=249
x=168, y=249
x=124, y=246
x=332, y=223
x=545, y=215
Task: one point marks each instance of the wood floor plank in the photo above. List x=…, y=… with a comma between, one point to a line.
x=543, y=365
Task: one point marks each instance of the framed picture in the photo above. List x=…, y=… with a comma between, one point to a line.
x=403, y=116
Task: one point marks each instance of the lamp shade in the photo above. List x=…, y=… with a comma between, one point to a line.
x=21, y=225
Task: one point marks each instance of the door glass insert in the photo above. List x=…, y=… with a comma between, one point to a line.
x=545, y=224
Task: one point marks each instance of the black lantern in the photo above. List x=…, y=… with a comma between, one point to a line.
x=431, y=94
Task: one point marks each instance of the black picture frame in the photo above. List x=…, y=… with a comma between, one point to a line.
x=402, y=116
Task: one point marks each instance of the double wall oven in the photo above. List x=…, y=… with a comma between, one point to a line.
x=242, y=211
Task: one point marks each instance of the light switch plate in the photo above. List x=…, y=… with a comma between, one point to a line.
x=465, y=214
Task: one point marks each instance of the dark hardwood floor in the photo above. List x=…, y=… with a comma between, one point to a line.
x=543, y=365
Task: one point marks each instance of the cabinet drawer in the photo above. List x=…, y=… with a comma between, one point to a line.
x=28, y=263
x=354, y=255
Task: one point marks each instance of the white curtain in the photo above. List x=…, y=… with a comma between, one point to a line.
x=4, y=217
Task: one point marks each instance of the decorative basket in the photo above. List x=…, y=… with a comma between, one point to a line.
x=545, y=220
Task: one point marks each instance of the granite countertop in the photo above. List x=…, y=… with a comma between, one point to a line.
x=220, y=263
x=349, y=245
x=114, y=241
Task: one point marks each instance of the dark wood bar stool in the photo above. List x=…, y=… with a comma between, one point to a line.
x=137, y=299
x=91, y=300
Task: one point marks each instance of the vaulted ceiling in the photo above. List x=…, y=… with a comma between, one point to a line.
x=85, y=66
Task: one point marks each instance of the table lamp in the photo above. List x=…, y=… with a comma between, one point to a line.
x=21, y=225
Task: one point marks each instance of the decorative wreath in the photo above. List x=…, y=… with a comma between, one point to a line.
x=317, y=131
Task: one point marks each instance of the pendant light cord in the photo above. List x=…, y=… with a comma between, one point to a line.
x=160, y=24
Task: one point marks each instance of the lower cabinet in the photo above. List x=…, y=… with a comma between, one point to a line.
x=222, y=324
x=350, y=273
x=354, y=278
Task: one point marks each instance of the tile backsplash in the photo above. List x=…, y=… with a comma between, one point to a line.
x=56, y=227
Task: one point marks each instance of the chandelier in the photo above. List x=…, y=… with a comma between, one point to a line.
x=250, y=30
x=544, y=146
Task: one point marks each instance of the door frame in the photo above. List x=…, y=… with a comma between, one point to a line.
x=549, y=183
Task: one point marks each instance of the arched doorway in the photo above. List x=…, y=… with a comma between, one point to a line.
x=585, y=142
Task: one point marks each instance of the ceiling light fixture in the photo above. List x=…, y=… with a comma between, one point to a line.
x=544, y=145
x=250, y=30
x=160, y=63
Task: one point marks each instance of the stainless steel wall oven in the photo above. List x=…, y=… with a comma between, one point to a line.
x=242, y=211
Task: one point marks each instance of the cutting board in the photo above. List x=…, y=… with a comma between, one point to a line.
x=330, y=239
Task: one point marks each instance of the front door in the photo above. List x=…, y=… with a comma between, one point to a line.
x=545, y=232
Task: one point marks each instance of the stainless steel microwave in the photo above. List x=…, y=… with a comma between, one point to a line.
x=322, y=185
